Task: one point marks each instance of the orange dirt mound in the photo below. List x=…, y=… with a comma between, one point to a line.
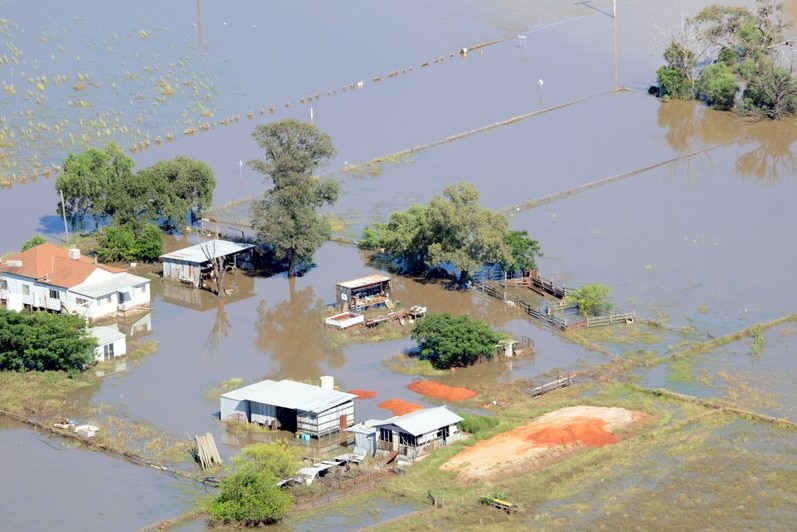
x=363, y=394
x=584, y=431
x=399, y=407
x=441, y=391
x=546, y=439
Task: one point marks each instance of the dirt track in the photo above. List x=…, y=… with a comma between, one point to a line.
x=544, y=440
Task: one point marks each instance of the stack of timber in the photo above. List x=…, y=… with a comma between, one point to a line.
x=205, y=451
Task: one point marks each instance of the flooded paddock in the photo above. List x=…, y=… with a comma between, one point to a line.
x=682, y=211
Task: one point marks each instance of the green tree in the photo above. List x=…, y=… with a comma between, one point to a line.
x=524, y=251
x=286, y=217
x=676, y=79
x=40, y=341
x=164, y=193
x=130, y=242
x=34, y=241
x=449, y=341
x=452, y=230
x=250, y=495
x=717, y=86
x=87, y=180
x=591, y=299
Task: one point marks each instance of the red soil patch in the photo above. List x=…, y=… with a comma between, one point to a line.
x=363, y=394
x=441, y=391
x=399, y=407
x=590, y=432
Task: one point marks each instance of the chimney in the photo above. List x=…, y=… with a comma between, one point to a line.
x=74, y=253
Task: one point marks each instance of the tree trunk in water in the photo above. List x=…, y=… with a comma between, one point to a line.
x=291, y=264
x=220, y=270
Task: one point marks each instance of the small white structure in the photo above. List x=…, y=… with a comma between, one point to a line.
x=111, y=343
x=419, y=432
x=290, y=405
x=344, y=320
x=49, y=277
x=192, y=265
x=364, y=437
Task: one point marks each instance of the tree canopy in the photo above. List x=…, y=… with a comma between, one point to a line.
x=250, y=495
x=33, y=241
x=287, y=217
x=591, y=299
x=87, y=180
x=740, y=48
x=448, y=341
x=130, y=242
x=452, y=230
x=40, y=341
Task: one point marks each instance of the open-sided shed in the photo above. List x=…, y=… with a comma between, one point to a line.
x=193, y=264
x=290, y=405
x=363, y=293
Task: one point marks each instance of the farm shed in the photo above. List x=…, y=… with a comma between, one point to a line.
x=363, y=293
x=290, y=405
x=192, y=265
x=111, y=343
x=419, y=432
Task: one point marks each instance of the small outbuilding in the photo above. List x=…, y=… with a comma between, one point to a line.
x=193, y=265
x=289, y=405
x=111, y=343
x=364, y=437
x=419, y=432
x=361, y=294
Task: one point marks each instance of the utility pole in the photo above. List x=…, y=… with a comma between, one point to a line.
x=63, y=213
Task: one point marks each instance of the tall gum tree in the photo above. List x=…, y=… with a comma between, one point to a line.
x=287, y=217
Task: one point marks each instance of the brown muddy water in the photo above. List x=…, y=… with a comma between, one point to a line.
x=700, y=237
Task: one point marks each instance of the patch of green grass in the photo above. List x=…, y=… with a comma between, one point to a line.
x=410, y=365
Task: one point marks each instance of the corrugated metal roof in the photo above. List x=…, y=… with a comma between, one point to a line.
x=199, y=253
x=117, y=283
x=106, y=335
x=364, y=281
x=423, y=421
x=291, y=394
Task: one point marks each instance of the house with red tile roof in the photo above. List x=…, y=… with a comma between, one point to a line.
x=50, y=277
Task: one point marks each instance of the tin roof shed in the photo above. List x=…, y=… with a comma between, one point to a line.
x=201, y=253
x=423, y=421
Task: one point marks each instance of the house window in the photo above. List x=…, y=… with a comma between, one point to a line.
x=105, y=300
x=26, y=289
x=107, y=351
x=3, y=284
x=385, y=434
x=54, y=294
x=81, y=301
x=407, y=439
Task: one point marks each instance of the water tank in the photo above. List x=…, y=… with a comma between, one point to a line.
x=74, y=253
x=328, y=382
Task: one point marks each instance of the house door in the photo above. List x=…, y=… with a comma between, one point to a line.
x=343, y=422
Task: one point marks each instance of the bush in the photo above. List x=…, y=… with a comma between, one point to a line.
x=591, y=299
x=473, y=423
x=33, y=242
x=447, y=341
x=249, y=498
x=130, y=242
x=717, y=86
x=673, y=84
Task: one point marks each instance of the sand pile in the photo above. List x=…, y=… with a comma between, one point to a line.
x=363, y=394
x=399, y=407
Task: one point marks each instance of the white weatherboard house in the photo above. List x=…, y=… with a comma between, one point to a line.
x=289, y=405
x=111, y=343
x=193, y=264
x=49, y=277
x=419, y=432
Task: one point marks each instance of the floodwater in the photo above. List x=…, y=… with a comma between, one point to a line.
x=696, y=230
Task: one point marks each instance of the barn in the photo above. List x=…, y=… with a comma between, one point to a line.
x=289, y=405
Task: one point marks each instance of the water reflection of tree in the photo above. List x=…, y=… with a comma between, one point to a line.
x=292, y=331
x=221, y=328
x=772, y=157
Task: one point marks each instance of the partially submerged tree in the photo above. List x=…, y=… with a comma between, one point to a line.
x=132, y=241
x=448, y=341
x=591, y=299
x=286, y=217
x=87, y=179
x=452, y=231
x=739, y=48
